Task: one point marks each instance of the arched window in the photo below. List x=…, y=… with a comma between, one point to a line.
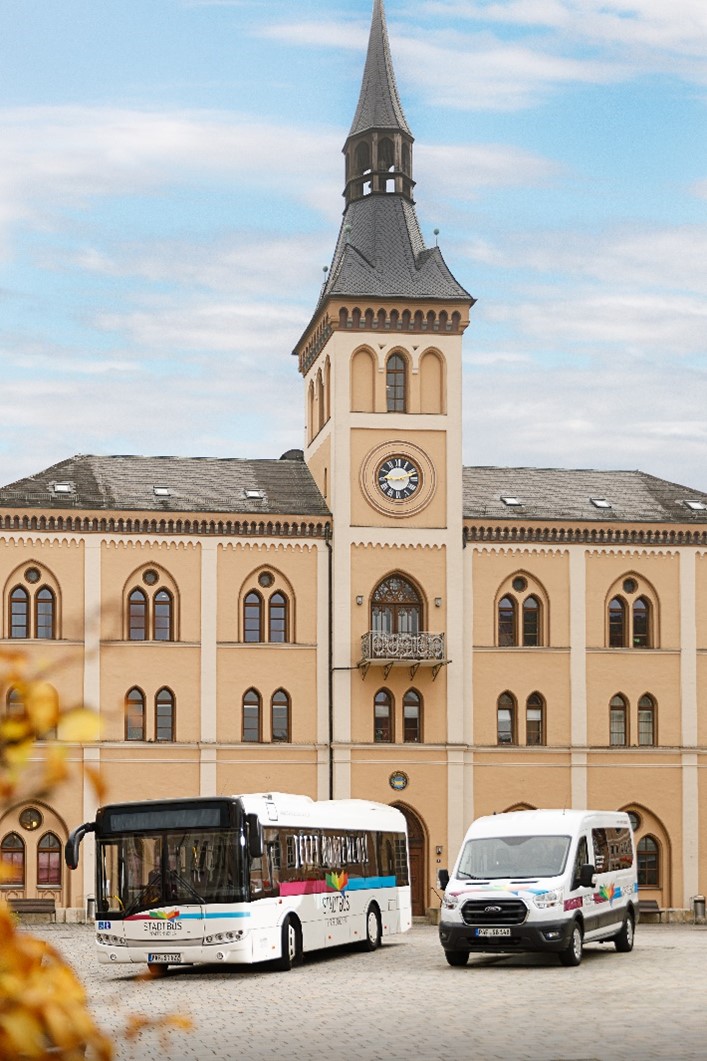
x=646, y=721
x=648, y=858
x=135, y=714
x=506, y=719
x=395, y=384
x=164, y=715
x=277, y=618
x=396, y=607
x=383, y=717
x=252, y=730
x=163, y=616
x=253, y=617
x=280, y=717
x=618, y=722
x=137, y=616
x=412, y=717
x=641, y=623
x=44, y=614
x=19, y=612
x=506, y=622
x=535, y=719
x=617, y=623
x=49, y=861
x=15, y=703
x=12, y=856
x=531, y=622
x=362, y=158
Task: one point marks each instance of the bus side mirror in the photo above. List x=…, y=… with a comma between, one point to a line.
x=443, y=878
x=71, y=851
x=255, y=836
x=586, y=876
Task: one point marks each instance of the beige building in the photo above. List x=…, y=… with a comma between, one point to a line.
x=367, y=617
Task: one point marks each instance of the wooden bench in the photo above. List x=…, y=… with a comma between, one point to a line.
x=650, y=907
x=45, y=907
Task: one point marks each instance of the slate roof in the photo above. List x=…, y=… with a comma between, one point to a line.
x=379, y=105
x=192, y=484
x=565, y=494
x=380, y=253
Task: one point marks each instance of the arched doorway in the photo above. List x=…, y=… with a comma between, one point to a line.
x=417, y=844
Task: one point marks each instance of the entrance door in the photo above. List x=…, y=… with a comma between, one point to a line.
x=417, y=844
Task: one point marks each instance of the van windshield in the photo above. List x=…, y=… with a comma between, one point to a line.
x=491, y=858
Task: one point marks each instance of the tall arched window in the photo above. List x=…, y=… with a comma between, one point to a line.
x=12, y=856
x=135, y=714
x=164, y=715
x=277, y=618
x=49, y=861
x=19, y=612
x=646, y=721
x=618, y=721
x=507, y=622
x=535, y=719
x=383, y=717
x=252, y=729
x=15, y=703
x=44, y=614
x=641, y=623
x=396, y=607
x=137, y=616
x=253, y=617
x=280, y=716
x=396, y=384
x=163, y=616
x=531, y=622
x=617, y=623
x=412, y=717
x=506, y=719
x=648, y=858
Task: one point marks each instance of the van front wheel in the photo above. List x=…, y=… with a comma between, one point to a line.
x=623, y=940
x=572, y=954
x=457, y=957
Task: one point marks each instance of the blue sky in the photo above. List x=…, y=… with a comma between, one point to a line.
x=170, y=190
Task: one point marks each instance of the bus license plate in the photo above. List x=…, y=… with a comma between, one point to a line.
x=164, y=959
x=493, y=932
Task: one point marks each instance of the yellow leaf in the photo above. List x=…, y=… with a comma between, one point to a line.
x=55, y=768
x=97, y=783
x=80, y=725
x=42, y=705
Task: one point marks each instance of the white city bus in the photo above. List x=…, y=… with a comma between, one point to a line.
x=246, y=878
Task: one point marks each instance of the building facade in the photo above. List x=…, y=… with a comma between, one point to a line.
x=367, y=617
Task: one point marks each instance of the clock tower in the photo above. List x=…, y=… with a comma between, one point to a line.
x=381, y=361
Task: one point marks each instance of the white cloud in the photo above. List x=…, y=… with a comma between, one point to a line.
x=464, y=170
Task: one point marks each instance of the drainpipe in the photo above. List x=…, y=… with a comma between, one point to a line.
x=330, y=567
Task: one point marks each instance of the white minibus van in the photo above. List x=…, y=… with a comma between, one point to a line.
x=541, y=880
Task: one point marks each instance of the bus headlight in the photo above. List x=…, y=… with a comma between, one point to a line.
x=110, y=941
x=548, y=900
x=224, y=937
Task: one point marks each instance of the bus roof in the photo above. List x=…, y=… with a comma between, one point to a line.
x=288, y=809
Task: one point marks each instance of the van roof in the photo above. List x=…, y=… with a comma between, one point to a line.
x=538, y=822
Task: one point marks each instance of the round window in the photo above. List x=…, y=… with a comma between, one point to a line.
x=630, y=585
x=635, y=820
x=32, y=574
x=150, y=577
x=520, y=583
x=30, y=818
x=265, y=579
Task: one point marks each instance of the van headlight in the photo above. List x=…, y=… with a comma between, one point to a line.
x=450, y=902
x=548, y=899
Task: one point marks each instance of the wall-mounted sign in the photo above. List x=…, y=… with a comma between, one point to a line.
x=398, y=780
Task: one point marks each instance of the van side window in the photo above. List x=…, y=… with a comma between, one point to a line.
x=612, y=849
x=581, y=860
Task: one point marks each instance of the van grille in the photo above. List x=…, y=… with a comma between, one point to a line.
x=494, y=912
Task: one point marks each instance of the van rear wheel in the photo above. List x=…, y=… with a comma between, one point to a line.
x=623, y=940
x=572, y=954
x=457, y=957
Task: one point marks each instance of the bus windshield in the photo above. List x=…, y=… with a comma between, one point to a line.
x=491, y=858
x=138, y=873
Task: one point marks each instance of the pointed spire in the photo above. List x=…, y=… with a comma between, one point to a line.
x=379, y=105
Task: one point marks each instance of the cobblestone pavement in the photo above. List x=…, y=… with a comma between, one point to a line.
x=404, y=1003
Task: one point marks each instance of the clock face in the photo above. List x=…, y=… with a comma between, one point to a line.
x=398, y=478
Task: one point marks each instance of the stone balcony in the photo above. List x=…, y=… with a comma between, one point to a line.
x=423, y=649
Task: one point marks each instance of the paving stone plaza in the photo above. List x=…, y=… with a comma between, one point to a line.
x=404, y=1003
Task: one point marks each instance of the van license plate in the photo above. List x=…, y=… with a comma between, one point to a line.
x=493, y=932
x=164, y=959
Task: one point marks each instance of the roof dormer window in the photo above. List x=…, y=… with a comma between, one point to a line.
x=162, y=491
x=696, y=506
x=253, y=495
x=512, y=502
x=600, y=502
x=63, y=488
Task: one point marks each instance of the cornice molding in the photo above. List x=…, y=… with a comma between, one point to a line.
x=572, y=535
x=141, y=525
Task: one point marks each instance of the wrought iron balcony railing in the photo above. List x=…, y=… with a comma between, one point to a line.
x=423, y=649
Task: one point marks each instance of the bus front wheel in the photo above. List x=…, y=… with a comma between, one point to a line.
x=291, y=946
x=373, y=931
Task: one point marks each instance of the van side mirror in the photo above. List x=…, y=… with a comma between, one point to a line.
x=443, y=878
x=255, y=836
x=586, y=876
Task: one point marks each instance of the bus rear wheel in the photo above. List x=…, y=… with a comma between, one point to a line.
x=291, y=946
x=373, y=931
